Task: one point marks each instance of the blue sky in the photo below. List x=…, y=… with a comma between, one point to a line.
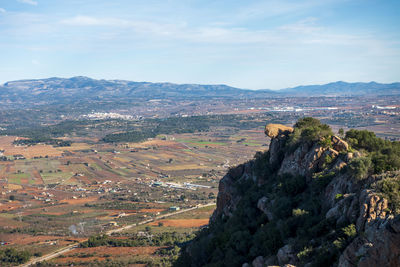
x=248, y=44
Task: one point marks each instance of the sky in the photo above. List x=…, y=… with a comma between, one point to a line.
x=269, y=44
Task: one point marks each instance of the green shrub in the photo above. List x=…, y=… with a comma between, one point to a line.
x=390, y=189
x=13, y=256
x=309, y=130
x=359, y=167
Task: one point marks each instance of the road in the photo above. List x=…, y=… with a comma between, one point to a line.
x=118, y=230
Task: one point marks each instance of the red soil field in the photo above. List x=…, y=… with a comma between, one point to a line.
x=24, y=239
x=79, y=200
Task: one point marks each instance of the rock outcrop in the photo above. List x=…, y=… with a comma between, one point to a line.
x=273, y=130
x=228, y=197
x=344, y=201
x=381, y=247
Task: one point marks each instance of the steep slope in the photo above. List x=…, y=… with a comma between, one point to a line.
x=313, y=199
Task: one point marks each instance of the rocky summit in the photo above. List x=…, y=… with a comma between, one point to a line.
x=313, y=199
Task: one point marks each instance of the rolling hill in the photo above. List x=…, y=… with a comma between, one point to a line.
x=70, y=90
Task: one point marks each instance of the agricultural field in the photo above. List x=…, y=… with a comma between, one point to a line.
x=52, y=200
x=158, y=246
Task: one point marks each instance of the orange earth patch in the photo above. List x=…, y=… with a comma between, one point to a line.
x=9, y=206
x=6, y=144
x=24, y=239
x=151, y=210
x=185, y=223
x=79, y=200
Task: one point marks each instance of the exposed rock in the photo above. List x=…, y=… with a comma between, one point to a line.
x=304, y=161
x=276, y=149
x=372, y=207
x=330, y=153
x=344, y=200
x=258, y=262
x=340, y=184
x=273, y=130
x=339, y=211
x=228, y=198
x=339, y=164
x=338, y=144
x=286, y=255
x=270, y=261
x=262, y=205
x=382, y=248
x=246, y=265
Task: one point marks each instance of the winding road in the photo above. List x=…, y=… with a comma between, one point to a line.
x=118, y=230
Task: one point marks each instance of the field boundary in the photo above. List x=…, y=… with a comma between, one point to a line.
x=110, y=232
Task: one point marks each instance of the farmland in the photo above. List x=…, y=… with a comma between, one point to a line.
x=55, y=199
x=63, y=183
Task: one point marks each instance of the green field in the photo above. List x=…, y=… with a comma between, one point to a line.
x=55, y=177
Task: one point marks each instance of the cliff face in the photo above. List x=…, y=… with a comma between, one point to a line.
x=304, y=205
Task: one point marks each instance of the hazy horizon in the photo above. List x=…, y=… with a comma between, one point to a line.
x=278, y=89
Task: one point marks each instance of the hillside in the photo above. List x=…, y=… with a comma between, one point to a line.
x=61, y=90
x=312, y=199
x=25, y=93
x=344, y=89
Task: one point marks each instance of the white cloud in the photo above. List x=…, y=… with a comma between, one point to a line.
x=91, y=21
x=304, y=32
x=29, y=2
x=2, y=10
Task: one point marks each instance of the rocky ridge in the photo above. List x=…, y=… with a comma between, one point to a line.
x=375, y=228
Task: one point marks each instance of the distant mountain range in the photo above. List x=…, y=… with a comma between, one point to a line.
x=70, y=90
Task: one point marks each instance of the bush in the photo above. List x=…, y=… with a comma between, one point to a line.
x=309, y=130
x=11, y=256
x=359, y=167
x=390, y=188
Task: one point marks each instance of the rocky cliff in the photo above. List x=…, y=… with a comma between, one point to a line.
x=311, y=200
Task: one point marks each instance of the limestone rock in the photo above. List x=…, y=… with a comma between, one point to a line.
x=228, y=197
x=271, y=261
x=372, y=207
x=262, y=205
x=258, y=262
x=286, y=255
x=339, y=164
x=273, y=130
x=382, y=248
x=340, y=210
x=305, y=160
x=339, y=144
x=275, y=150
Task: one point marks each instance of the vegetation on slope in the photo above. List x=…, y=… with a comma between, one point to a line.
x=297, y=215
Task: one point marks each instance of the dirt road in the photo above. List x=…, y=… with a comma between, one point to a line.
x=73, y=246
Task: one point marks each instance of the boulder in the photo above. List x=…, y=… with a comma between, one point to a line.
x=262, y=205
x=286, y=255
x=258, y=262
x=273, y=130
